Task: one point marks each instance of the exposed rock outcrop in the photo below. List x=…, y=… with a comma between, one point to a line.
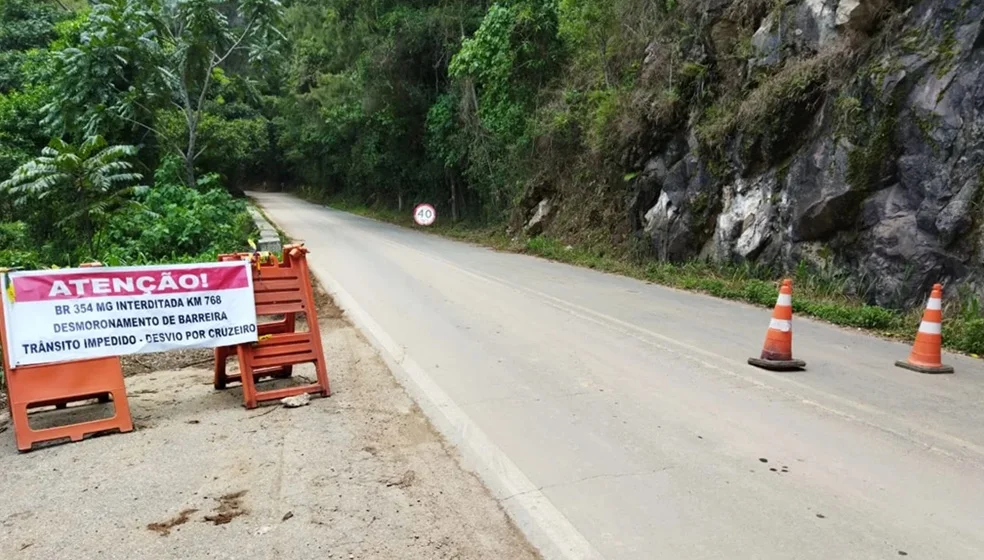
x=540, y=216
x=843, y=134
x=885, y=178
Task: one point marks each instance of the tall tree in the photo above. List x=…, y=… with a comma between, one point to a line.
x=136, y=58
x=197, y=38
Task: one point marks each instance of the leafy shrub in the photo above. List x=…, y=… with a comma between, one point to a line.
x=66, y=193
x=20, y=136
x=516, y=45
x=236, y=148
x=177, y=222
x=15, y=246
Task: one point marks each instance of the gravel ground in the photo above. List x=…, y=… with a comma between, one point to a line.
x=359, y=475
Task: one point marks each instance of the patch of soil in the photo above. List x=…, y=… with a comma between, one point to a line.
x=200, y=358
x=405, y=481
x=364, y=468
x=325, y=304
x=230, y=507
x=164, y=529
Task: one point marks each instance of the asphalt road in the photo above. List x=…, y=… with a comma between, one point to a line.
x=627, y=423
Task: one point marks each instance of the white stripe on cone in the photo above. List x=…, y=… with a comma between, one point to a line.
x=785, y=299
x=935, y=304
x=780, y=325
x=930, y=328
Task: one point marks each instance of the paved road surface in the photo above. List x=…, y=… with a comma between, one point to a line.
x=616, y=419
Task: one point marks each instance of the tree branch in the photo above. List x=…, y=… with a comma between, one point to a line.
x=143, y=126
x=205, y=86
x=156, y=132
x=235, y=46
x=218, y=60
x=170, y=34
x=202, y=151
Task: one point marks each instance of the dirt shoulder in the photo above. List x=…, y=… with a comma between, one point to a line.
x=359, y=475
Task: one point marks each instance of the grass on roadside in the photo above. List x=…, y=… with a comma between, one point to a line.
x=816, y=295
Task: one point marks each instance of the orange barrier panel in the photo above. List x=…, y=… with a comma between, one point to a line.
x=222, y=354
x=286, y=325
x=58, y=385
x=282, y=289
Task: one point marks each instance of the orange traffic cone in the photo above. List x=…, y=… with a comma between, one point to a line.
x=777, y=352
x=927, y=351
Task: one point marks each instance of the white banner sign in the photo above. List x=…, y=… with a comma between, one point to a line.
x=75, y=314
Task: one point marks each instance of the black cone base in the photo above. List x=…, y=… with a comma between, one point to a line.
x=778, y=365
x=925, y=369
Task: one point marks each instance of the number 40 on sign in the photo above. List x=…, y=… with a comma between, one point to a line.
x=424, y=215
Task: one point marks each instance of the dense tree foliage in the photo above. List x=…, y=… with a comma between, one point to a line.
x=476, y=106
x=111, y=91
x=473, y=104
x=362, y=79
x=415, y=100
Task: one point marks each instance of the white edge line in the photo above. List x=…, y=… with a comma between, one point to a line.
x=543, y=524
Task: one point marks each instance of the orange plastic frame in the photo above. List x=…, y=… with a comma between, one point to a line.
x=288, y=324
x=58, y=385
x=279, y=289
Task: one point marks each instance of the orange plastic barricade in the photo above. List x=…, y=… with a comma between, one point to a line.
x=281, y=289
x=286, y=325
x=222, y=355
x=58, y=385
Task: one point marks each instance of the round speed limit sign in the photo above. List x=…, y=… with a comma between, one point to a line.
x=424, y=215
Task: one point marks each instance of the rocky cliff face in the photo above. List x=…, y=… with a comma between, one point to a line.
x=856, y=143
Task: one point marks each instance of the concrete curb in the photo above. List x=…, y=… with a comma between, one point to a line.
x=540, y=521
x=269, y=240
x=545, y=526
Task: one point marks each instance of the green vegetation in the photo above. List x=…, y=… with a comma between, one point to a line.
x=482, y=107
x=177, y=224
x=126, y=124
x=84, y=184
x=946, y=51
x=122, y=120
x=874, y=141
x=465, y=103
